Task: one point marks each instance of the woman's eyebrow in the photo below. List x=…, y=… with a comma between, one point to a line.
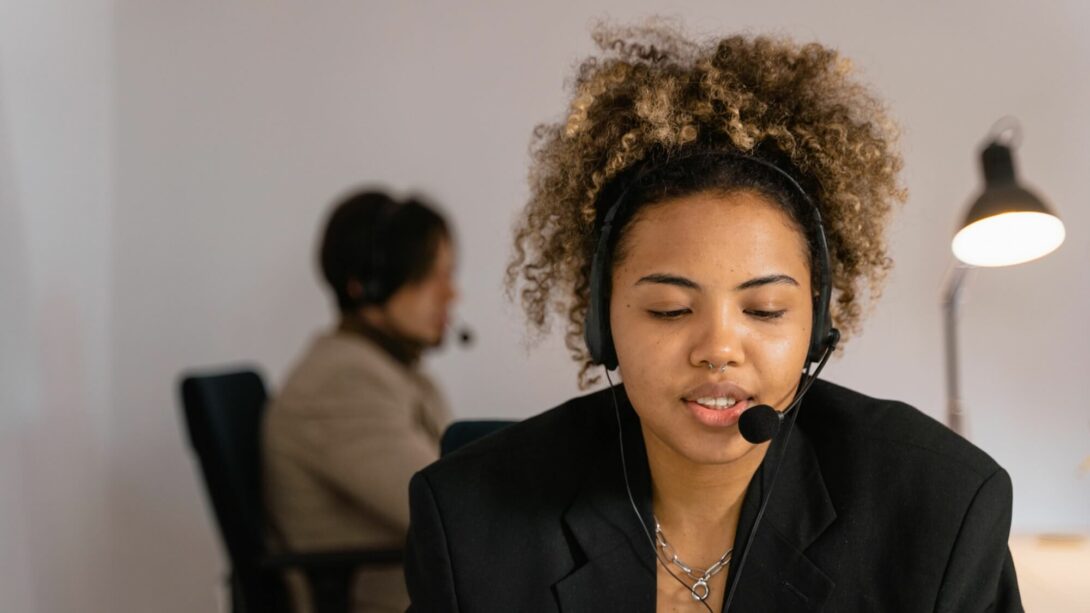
x=768, y=280
x=667, y=279
x=678, y=281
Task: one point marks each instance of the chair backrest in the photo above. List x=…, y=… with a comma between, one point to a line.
x=223, y=414
x=462, y=433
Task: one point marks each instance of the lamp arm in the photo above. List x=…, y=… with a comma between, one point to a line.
x=955, y=280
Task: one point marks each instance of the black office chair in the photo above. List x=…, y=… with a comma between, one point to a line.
x=461, y=433
x=223, y=414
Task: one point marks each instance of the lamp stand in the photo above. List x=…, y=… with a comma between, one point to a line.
x=950, y=303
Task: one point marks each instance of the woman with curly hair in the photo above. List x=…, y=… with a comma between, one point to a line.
x=707, y=218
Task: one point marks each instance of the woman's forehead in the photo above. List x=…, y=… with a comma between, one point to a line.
x=741, y=229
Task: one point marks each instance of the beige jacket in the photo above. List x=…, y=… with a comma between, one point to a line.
x=341, y=440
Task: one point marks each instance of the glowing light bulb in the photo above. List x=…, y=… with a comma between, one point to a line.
x=1008, y=238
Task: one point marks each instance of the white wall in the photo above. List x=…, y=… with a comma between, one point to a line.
x=164, y=168
x=56, y=155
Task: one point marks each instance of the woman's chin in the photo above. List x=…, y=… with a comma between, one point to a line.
x=728, y=447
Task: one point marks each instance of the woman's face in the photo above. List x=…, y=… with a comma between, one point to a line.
x=709, y=279
x=419, y=310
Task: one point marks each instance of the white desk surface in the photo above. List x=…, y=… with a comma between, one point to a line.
x=1053, y=572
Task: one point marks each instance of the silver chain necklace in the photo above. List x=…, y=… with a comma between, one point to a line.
x=699, y=590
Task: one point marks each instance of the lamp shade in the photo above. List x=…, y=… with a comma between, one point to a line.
x=1007, y=224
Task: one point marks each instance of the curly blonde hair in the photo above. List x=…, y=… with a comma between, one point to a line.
x=652, y=90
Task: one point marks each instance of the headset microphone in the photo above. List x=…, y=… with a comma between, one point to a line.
x=763, y=423
x=760, y=423
x=465, y=335
x=462, y=332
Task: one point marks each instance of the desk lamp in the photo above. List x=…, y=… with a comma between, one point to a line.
x=1007, y=224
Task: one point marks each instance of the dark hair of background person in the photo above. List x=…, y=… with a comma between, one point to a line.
x=369, y=225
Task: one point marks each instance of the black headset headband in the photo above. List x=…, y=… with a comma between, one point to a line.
x=374, y=281
x=597, y=332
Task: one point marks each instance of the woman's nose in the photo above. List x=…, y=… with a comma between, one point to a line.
x=717, y=344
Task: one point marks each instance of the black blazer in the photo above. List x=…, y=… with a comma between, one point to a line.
x=877, y=508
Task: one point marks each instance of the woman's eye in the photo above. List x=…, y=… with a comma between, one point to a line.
x=766, y=314
x=668, y=314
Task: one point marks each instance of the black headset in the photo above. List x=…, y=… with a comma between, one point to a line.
x=597, y=332
x=374, y=281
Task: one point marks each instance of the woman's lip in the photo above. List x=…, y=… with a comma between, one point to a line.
x=717, y=389
x=717, y=418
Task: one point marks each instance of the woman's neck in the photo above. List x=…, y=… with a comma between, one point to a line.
x=694, y=497
x=401, y=349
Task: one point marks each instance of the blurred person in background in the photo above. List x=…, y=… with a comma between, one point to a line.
x=356, y=416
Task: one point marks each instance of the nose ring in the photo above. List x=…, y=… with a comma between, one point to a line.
x=714, y=367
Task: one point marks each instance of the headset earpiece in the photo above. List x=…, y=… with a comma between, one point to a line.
x=596, y=327
x=374, y=291
x=823, y=336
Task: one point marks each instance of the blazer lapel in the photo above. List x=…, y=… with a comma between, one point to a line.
x=778, y=576
x=615, y=563
x=617, y=569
